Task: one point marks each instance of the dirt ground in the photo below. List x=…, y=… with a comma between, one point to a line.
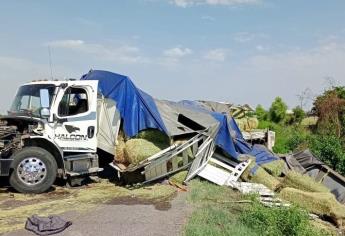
x=99, y=209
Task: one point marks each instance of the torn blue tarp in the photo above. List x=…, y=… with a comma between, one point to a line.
x=137, y=109
x=224, y=139
x=230, y=139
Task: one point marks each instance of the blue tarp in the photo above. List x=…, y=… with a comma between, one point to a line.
x=137, y=109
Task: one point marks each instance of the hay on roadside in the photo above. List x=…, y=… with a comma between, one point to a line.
x=303, y=182
x=260, y=176
x=179, y=177
x=320, y=203
x=274, y=168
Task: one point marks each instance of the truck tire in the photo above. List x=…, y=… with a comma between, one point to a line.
x=34, y=170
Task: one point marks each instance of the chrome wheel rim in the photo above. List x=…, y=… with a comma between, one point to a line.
x=31, y=171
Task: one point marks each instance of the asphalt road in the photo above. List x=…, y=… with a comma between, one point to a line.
x=132, y=220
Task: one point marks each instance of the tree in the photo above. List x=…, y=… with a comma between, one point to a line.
x=261, y=113
x=277, y=110
x=298, y=114
x=330, y=108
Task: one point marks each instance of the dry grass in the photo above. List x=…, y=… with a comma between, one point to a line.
x=261, y=176
x=14, y=209
x=275, y=168
x=120, y=152
x=318, y=203
x=178, y=178
x=303, y=182
x=138, y=150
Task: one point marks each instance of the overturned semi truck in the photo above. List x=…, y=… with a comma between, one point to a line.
x=57, y=129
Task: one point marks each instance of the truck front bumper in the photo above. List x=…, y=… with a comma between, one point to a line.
x=5, y=166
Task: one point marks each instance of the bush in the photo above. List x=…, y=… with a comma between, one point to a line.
x=278, y=221
x=329, y=149
x=261, y=113
x=298, y=114
x=277, y=111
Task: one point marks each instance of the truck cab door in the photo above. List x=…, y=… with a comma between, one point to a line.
x=75, y=116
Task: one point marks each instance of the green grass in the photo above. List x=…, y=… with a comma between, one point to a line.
x=213, y=220
x=216, y=211
x=279, y=221
x=222, y=211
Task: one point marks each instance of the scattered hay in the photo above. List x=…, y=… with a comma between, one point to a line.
x=303, y=182
x=138, y=150
x=179, y=177
x=261, y=176
x=275, y=168
x=80, y=200
x=323, y=204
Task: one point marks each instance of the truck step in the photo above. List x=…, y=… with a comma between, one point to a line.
x=80, y=157
x=89, y=171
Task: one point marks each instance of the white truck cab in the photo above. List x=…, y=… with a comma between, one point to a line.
x=54, y=128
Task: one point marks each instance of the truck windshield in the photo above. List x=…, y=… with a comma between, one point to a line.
x=27, y=100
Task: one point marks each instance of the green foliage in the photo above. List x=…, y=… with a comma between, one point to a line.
x=298, y=114
x=278, y=221
x=214, y=213
x=330, y=150
x=288, y=137
x=261, y=113
x=218, y=212
x=277, y=111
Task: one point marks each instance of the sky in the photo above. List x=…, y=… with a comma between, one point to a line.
x=238, y=51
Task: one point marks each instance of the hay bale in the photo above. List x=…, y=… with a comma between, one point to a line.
x=155, y=136
x=247, y=123
x=179, y=177
x=138, y=150
x=275, y=168
x=303, y=182
x=261, y=176
x=252, y=123
x=120, y=154
x=323, y=204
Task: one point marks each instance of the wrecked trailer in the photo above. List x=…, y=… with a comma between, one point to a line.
x=205, y=132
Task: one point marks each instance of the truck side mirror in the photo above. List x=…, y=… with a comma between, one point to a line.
x=45, y=103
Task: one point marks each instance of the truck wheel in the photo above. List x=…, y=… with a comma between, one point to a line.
x=34, y=170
